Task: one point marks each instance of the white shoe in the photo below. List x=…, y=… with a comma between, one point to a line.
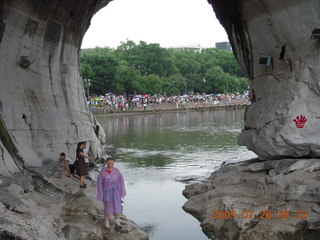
x=118, y=222
x=106, y=224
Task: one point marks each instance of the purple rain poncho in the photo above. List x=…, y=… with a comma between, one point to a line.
x=110, y=189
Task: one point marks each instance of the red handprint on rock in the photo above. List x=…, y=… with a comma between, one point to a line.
x=300, y=121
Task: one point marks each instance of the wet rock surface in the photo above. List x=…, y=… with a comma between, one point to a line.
x=275, y=199
x=54, y=207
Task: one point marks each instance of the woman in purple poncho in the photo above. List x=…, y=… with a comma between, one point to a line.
x=110, y=190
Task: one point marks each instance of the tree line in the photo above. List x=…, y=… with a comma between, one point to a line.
x=150, y=69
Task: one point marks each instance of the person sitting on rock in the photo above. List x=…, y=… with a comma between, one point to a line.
x=69, y=165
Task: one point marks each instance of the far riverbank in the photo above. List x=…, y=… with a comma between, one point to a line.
x=170, y=107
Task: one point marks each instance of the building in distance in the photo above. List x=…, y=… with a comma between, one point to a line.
x=187, y=48
x=224, y=46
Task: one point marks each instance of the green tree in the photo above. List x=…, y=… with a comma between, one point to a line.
x=148, y=68
x=151, y=84
x=86, y=70
x=147, y=58
x=178, y=82
x=127, y=80
x=169, y=88
x=103, y=69
x=215, y=81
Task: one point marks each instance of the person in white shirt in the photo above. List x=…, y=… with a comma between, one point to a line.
x=69, y=165
x=87, y=152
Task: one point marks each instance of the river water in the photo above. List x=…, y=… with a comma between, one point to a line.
x=156, y=151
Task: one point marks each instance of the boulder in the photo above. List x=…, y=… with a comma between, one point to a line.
x=274, y=199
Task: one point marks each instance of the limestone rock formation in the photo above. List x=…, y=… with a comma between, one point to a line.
x=42, y=102
x=273, y=200
x=51, y=206
x=43, y=112
x=289, y=86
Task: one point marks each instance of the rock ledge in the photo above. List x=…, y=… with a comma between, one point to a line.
x=45, y=204
x=276, y=199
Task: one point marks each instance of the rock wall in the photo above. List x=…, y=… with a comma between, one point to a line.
x=253, y=200
x=286, y=89
x=42, y=102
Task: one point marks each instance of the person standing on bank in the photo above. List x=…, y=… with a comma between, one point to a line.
x=86, y=152
x=82, y=169
x=110, y=190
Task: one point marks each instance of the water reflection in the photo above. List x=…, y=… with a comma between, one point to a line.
x=161, y=139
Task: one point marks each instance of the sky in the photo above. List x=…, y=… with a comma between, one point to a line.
x=171, y=23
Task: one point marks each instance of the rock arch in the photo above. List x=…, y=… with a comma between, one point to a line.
x=42, y=103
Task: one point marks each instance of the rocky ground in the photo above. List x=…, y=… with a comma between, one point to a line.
x=45, y=204
x=276, y=200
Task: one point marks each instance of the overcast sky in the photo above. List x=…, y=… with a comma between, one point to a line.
x=168, y=22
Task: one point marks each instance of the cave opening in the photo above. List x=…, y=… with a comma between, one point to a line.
x=152, y=25
x=169, y=23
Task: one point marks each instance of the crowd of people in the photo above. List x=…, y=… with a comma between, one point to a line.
x=110, y=187
x=131, y=102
